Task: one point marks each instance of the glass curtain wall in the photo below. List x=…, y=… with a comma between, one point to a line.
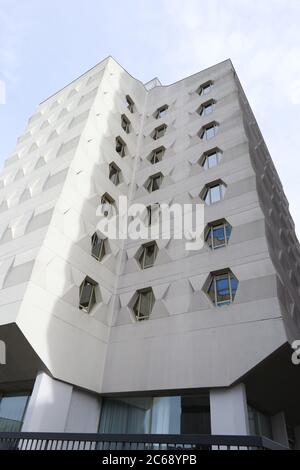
x=156, y=415
x=12, y=410
x=259, y=423
x=125, y=415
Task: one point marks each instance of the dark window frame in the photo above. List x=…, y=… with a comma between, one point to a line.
x=159, y=131
x=210, y=234
x=214, y=291
x=161, y=111
x=114, y=173
x=140, y=316
x=130, y=104
x=142, y=259
x=157, y=155
x=125, y=124
x=87, y=289
x=98, y=250
x=152, y=182
x=120, y=147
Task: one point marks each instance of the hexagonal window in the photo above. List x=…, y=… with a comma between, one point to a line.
x=209, y=131
x=161, y=112
x=146, y=255
x=98, y=248
x=157, y=155
x=221, y=287
x=114, y=173
x=129, y=103
x=211, y=158
x=213, y=192
x=153, y=183
x=87, y=294
x=205, y=88
x=143, y=304
x=206, y=108
x=153, y=211
x=217, y=233
x=125, y=123
x=107, y=204
x=120, y=147
x=159, y=132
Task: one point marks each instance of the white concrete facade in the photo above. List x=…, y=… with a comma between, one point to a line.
x=55, y=406
x=50, y=189
x=228, y=410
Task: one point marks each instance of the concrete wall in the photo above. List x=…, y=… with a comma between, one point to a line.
x=188, y=342
x=228, y=410
x=55, y=406
x=63, y=158
x=283, y=245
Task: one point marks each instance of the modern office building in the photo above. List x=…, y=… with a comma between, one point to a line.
x=128, y=336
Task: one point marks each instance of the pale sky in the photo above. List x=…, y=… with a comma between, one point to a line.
x=46, y=44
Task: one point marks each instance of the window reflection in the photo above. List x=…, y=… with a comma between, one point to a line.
x=12, y=410
x=156, y=415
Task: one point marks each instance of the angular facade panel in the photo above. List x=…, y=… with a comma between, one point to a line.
x=147, y=318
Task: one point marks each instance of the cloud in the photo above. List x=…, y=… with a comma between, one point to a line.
x=294, y=91
x=171, y=39
x=2, y=92
x=250, y=33
x=8, y=35
x=263, y=41
x=11, y=42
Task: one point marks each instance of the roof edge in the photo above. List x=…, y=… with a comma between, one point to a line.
x=110, y=57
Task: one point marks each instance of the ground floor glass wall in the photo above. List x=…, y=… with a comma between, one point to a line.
x=156, y=415
x=12, y=410
x=259, y=423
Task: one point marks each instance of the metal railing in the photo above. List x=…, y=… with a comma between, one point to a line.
x=71, y=441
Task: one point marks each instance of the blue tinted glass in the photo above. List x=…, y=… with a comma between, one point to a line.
x=223, y=292
x=11, y=412
x=219, y=236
